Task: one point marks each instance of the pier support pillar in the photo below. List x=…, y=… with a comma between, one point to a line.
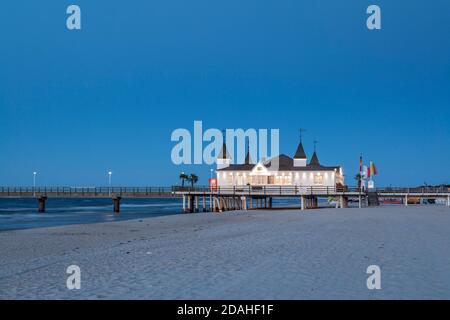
x=191, y=204
x=341, y=202
x=244, y=203
x=406, y=200
x=223, y=202
x=315, y=202
x=448, y=200
x=270, y=203
x=204, y=204
x=216, y=205
x=219, y=207
x=359, y=202
x=302, y=202
x=41, y=204
x=116, y=204
x=184, y=203
x=196, y=204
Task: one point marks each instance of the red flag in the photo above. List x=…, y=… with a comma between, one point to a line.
x=373, y=169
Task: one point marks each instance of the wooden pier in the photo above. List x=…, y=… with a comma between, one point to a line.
x=230, y=198
x=42, y=194
x=261, y=197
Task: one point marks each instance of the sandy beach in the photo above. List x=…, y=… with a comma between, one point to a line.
x=290, y=254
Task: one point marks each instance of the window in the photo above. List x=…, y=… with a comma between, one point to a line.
x=318, y=179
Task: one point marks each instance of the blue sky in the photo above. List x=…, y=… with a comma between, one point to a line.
x=75, y=104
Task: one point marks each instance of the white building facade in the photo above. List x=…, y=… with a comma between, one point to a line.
x=279, y=171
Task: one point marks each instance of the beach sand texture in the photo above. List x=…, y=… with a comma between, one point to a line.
x=290, y=254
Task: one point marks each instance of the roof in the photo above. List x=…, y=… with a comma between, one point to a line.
x=300, y=153
x=223, y=154
x=314, y=160
x=248, y=158
x=285, y=163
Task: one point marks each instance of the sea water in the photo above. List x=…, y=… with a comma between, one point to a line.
x=23, y=213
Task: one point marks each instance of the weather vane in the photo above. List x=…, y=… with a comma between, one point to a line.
x=315, y=144
x=301, y=131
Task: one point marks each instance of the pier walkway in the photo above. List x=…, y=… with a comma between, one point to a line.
x=231, y=198
x=244, y=197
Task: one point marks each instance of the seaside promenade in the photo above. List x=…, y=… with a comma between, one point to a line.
x=289, y=254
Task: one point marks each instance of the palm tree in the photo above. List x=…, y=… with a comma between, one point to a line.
x=183, y=178
x=193, y=178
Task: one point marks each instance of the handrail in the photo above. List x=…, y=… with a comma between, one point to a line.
x=268, y=190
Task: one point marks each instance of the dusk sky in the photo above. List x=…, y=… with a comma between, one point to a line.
x=76, y=104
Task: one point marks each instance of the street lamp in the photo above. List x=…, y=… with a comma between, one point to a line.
x=34, y=183
x=109, y=176
x=182, y=179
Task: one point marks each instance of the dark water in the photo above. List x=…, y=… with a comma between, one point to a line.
x=22, y=213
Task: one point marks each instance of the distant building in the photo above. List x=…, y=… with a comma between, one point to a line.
x=294, y=171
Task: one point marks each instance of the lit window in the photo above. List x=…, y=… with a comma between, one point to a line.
x=318, y=179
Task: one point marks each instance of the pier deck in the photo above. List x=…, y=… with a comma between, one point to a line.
x=226, y=198
x=237, y=197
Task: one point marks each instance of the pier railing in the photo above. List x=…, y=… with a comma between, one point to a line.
x=233, y=190
x=416, y=190
x=274, y=190
x=313, y=190
x=87, y=191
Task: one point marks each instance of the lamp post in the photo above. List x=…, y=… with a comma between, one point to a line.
x=109, y=180
x=34, y=183
x=182, y=179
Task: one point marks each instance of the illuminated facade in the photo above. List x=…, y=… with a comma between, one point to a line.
x=279, y=171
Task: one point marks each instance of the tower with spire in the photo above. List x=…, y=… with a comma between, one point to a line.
x=223, y=159
x=300, y=156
